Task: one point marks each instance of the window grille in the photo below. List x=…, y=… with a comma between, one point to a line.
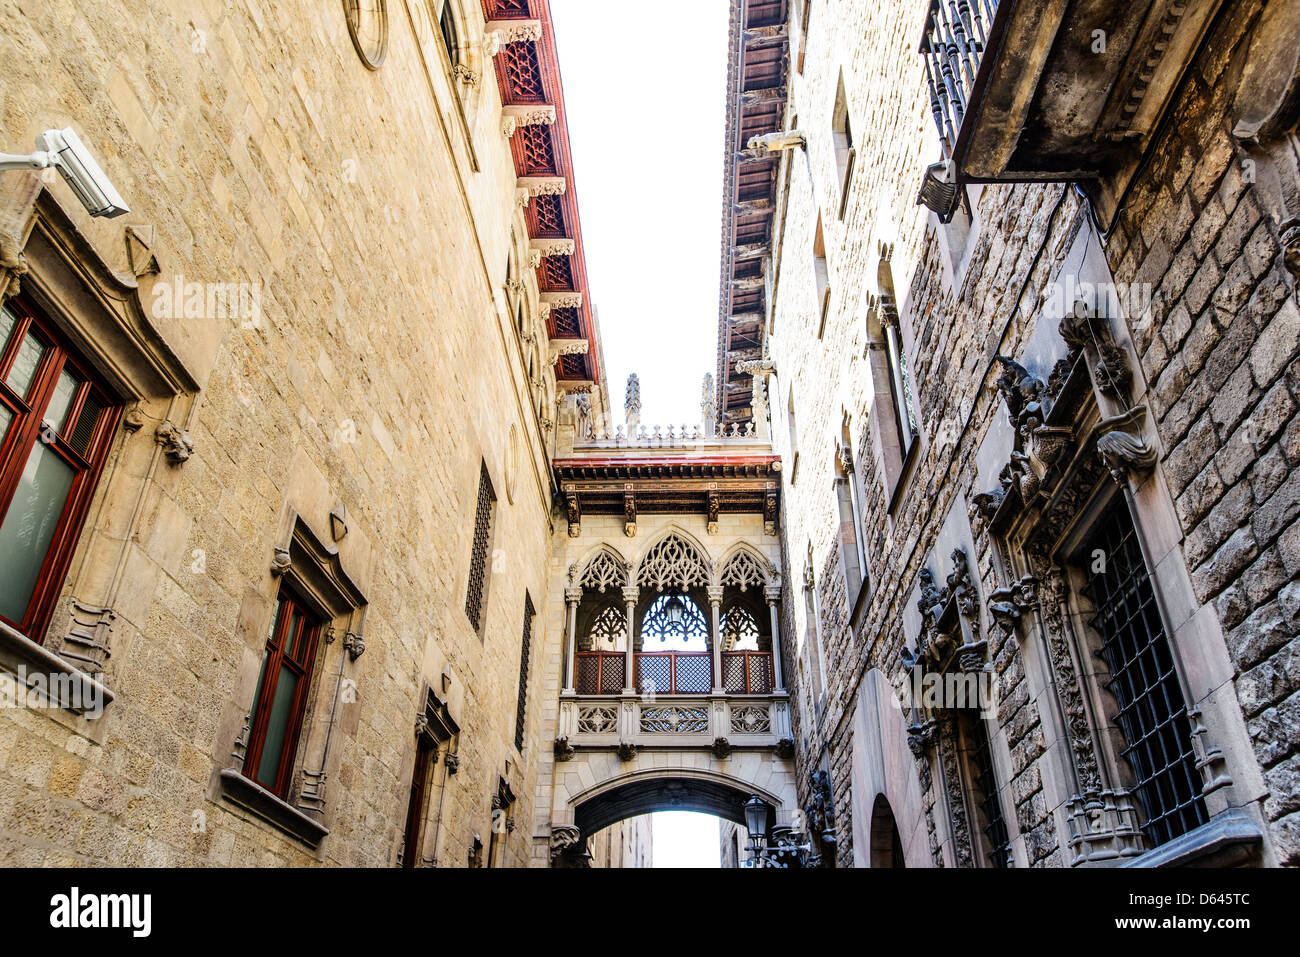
x=990, y=809
x=523, y=673
x=1152, y=711
x=478, y=560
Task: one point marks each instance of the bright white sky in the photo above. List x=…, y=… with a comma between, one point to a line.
x=686, y=839
x=646, y=104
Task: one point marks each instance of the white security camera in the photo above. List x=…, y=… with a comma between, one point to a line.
x=64, y=151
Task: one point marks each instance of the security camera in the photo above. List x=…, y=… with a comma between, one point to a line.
x=64, y=151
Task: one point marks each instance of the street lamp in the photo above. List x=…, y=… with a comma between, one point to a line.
x=756, y=824
x=786, y=851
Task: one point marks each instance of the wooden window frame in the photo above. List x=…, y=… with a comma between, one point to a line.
x=27, y=428
x=264, y=700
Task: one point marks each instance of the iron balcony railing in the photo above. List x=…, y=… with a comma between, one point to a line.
x=673, y=672
x=956, y=32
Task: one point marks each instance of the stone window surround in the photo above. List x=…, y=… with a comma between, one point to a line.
x=317, y=576
x=99, y=311
x=436, y=729
x=1233, y=790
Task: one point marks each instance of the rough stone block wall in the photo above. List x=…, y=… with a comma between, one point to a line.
x=1221, y=355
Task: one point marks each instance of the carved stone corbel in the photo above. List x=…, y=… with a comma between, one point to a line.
x=176, y=443
x=562, y=749
x=282, y=562
x=1123, y=446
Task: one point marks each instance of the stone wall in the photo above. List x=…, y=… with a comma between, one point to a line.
x=375, y=212
x=1216, y=513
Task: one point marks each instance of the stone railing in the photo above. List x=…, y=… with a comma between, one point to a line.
x=677, y=721
x=671, y=437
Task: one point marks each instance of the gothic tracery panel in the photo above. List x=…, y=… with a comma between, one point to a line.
x=603, y=572
x=743, y=571
x=672, y=563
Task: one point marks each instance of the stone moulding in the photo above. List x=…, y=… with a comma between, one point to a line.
x=84, y=695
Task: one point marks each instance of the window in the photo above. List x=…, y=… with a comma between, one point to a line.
x=803, y=37
x=425, y=754
x=793, y=429
x=447, y=26
x=822, y=277
x=56, y=424
x=524, y=651
x=1152, y=712
x=852, y=554
x=814, y=629
x=503, y=822
x=995, y=847
x=476, y=594
x=842, y=139
x=282, y=689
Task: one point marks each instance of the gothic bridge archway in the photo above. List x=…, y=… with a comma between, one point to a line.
x=672, y=686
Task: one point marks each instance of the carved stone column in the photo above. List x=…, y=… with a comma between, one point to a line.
x=773, y=594
x=572, y=598
x=715, y=637
x=631, y=595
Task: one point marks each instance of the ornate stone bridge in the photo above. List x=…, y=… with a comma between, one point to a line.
x=671, y=690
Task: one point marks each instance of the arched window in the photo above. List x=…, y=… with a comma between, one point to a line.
x=676, y=622
x=608, y=628
x=740, y=629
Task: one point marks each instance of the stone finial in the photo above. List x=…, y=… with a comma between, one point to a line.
x=709, y=406
x=632, y=403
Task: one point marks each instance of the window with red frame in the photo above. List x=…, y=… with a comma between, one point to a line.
x=282, y=690
x=56, y=423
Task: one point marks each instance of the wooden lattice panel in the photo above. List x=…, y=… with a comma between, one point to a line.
x=548, y=218
x=566, y=323
x=507, y=10
x=556, y=274
x=523, y=73
x=573, y=367
x=534, y=153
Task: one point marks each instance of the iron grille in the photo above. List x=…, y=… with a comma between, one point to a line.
x=478, y=558
x=1152, y=711
x=986, y=787
x=523, y=673
x=599, y=672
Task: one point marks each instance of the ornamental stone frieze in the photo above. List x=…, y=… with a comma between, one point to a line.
x=535, y=186
x=569, y=347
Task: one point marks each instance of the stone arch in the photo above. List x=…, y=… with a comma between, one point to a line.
x=882, y=764
x=469, y=63
x=886, y=848
x=620, y=793
x=592, y=570
x=674, y=558
x=738, y=565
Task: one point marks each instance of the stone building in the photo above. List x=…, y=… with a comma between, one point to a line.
x=321, y=543
x=286, y=530
x=1015, y=286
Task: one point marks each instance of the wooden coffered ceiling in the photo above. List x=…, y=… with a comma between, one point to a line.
x=528, y=74
x=758, y=67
